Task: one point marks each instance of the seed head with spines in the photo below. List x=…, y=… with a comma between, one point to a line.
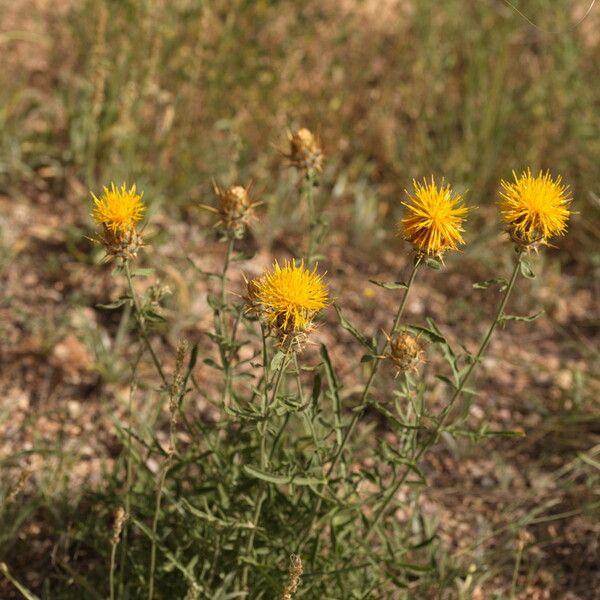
x=235, y=210
x=305, y=152
x=406, y=352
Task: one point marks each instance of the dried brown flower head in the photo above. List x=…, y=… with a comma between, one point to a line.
x=294, y=574
x=235, y=210
x=119, y=521
x=406, y=352
x=305, y=152
x=251, y=298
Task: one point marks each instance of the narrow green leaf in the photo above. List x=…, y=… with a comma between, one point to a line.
x=352, y=330
x=116, y=303
x=520, y=318
x=431, y=335
x=214, y=302
x=199, y=270
x=277, y=360
x=316, y=390
x=526, y=269
x=333, y=380
x=446, y=380
x=212, y=363
x=257, y=473
x=153, y=316
x=390, y=285
x=391, y=417
x=193, y=358
x=142, y=272
x=483, y=285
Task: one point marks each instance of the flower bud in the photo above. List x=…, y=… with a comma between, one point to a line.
x=235, y=210
x=405, y=352
x=305, y=152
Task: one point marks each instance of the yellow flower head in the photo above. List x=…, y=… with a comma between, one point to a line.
x=534, y=208
x=290, y=296
x=434, y=219
x=118, y=209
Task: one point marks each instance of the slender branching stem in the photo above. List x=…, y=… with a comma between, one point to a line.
x=362, y=404
x=221, y=325
x=111, y=574
x=129, y=470
x=374, y=369
x=308, y=192
x=159, y=491
x=264, y=458
x=455, y=396
x=142, y=324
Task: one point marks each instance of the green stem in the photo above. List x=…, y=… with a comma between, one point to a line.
x=142, y=324
x=264, y=459
x=455, y=396
x=111, y=575
x=159, y=491
x=129, y=476
x=308, y=193
x=358, y=414
x=375, y=368
x=221, y=325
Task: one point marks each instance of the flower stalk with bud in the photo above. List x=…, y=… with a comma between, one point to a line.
x=534, y=210
x=306, y=155
x=433, y=225
x=235, y=210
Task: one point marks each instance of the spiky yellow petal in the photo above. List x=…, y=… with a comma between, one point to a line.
x=289, y=297
x=118, y=209
x=434, y=219
x=535, y=208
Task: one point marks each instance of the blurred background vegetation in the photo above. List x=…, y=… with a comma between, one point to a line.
x=171, y=94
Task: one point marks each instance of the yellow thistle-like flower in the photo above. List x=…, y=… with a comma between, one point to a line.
x=534, y=208
x=289, y=297
x=118, y=209
x=434, y=220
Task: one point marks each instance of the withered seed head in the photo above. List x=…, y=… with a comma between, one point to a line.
x=235, y=210
x=119, y=521
x=294, y=573
x=251, y=296
x=406, y=352
x=305, y=152
x=121, y=246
